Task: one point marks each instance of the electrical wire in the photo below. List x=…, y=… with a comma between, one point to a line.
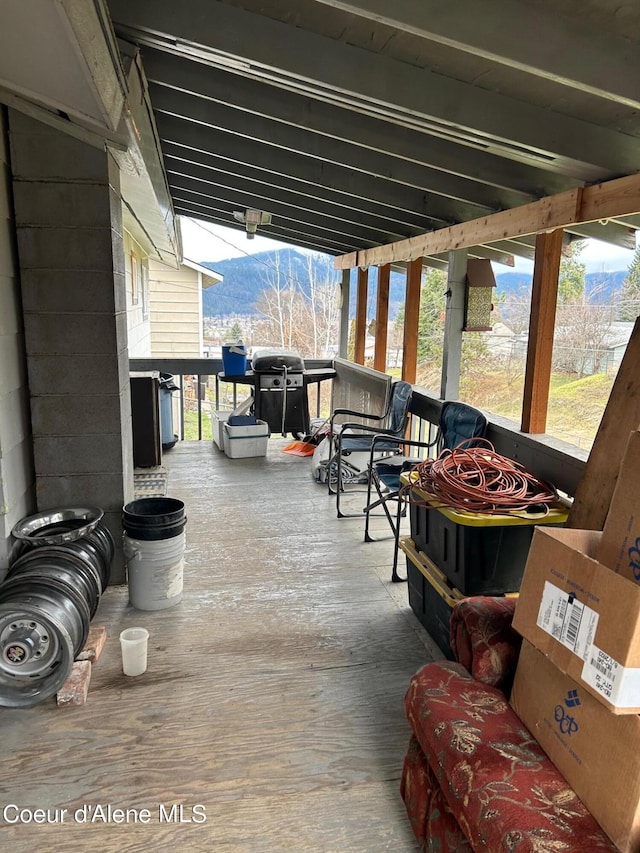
x=477, y=479
x=292, y=279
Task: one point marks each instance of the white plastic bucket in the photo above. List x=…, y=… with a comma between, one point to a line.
x=155, y=571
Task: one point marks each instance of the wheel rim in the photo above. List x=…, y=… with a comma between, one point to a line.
x=27, y=628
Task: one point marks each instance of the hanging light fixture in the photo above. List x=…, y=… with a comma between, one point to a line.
x=251, y=219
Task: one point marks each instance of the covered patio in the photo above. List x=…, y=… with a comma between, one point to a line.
x=270, y=718
x=273, y=696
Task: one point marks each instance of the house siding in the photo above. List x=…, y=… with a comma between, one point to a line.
x=176, y=314
x=136, y=270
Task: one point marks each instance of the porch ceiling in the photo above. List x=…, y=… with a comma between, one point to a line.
x=356, y=123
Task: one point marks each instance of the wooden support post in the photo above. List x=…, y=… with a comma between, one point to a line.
x=453, y=323
x=361, y=315
x=411, y=318
x=343, y=343
x=382, y=318
x=544, y=297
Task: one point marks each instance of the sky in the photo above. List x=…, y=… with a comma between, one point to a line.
x=596, y=255
x=204, y=241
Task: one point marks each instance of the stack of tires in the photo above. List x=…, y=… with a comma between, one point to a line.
x=48, y=598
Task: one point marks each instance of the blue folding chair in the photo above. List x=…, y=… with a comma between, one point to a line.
x=357, y=437
x=458, y=422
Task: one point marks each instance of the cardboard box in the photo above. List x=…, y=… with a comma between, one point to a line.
x=582, y=615
x=597, y=752
x=620, y=545
x=244, y=441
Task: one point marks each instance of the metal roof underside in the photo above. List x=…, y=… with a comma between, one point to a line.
x=357, y=123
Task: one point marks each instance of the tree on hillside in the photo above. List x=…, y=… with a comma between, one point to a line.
x=324, y=308
x=583, y=321
x=433, y=297
x=297, y=317
x=515, y=309
x=629, y=305
x=235, y=333
x=582, y=330
x=431, y=321
x=571, y=279
x=277, y=303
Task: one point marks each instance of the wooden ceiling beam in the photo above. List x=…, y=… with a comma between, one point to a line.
x=619, y=197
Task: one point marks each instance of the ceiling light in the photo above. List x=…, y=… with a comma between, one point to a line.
x=251, y=219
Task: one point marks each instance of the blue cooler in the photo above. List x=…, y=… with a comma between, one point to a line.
x=234, y=359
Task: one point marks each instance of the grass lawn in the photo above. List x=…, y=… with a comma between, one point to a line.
x=575, y=404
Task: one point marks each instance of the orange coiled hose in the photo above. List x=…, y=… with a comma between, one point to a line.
x=477, y=479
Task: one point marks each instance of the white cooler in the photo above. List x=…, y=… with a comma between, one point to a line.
x=243, y=441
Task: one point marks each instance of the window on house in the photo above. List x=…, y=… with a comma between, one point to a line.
x=145, y=291
x=135, y=283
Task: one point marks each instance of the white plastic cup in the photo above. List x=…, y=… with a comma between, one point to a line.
x=133, y=643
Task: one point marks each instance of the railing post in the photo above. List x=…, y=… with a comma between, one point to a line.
x=411, y=319
x=361, y=316
x=382, y=318
x=454, y=321
x=343, y=343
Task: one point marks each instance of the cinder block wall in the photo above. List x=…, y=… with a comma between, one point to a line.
x=70, y=248
x=16, y=465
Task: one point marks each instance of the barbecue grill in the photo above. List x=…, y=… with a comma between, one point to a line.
x=281, y=391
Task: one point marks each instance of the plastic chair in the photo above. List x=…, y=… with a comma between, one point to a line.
x=357, y=437
x=458, y=422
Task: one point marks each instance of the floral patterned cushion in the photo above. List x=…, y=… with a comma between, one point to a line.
x=483, y=640
x=503, y=791
x=432, y=821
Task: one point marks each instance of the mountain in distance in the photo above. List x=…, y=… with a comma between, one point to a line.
x=512, y=282
x=246, y=277
x=600, y=286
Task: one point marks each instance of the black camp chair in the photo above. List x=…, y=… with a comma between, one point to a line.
x=458, y=422
x=357, y=437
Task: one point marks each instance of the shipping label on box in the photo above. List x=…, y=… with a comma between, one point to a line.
x=583, y=616
x=574, y=625
x=596, y=751
x=567, y=619
x=620, y=545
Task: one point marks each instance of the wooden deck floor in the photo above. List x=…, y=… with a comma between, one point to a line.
x=273, y=696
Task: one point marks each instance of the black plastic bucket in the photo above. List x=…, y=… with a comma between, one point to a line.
x=149, y=519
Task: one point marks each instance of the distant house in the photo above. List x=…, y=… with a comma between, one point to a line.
x=615, y=346
x=606, y=358
x=176, y=307
x=501, y=340
x=165, y=305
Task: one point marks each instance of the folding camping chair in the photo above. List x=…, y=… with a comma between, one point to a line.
x=356, y=437
x=458, y=422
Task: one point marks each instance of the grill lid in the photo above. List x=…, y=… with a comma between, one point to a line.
x=276, y=360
